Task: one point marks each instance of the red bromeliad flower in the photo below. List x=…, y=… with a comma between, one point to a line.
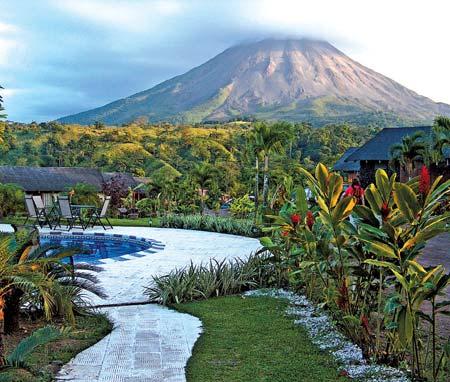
x=309, y=220
x=424, y=181
x=295, y=219
x=385, y=210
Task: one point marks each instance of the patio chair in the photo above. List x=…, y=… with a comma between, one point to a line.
x=36, y=210
x=31, y=211
x=66, y=213
x=100, y=214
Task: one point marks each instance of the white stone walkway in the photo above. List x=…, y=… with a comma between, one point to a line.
x=149, y=343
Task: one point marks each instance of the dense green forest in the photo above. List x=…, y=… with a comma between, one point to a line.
x=169, y=153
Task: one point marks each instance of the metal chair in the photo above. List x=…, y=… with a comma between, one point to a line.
x=37, y=210
x=100, y=214
x=66, y=213
x=31, y=210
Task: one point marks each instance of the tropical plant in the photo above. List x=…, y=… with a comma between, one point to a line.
x=146, y=207
x=83, y=193
x=243, y=227
x=39, y=337
x=203, y=176
x=242, y=207
x=213, y=279
x=367, y=267
x=265, y=139
x=2, y=116
x=41, y=276
x=11, y=199
x=410, y=150
x=398, y=222
x=116, y=189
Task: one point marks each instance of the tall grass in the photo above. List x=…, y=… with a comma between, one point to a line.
x=212, y=279
x=243, y=227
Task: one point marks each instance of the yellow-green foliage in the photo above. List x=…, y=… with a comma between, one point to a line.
x=143, y=149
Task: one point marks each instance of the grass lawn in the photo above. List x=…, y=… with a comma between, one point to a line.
x=251, y=340
x=89, y=330
x=140, y=222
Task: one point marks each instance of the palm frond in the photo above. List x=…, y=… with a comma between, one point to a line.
x=39, y=337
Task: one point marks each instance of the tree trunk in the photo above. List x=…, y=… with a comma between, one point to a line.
x=11, y=311
x=256, y=186
x=266, y=181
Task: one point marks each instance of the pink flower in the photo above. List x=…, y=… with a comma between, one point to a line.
x=425, y=181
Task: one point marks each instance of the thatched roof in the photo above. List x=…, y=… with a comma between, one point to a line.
x=378, y=147
x=127, y=179
x=350, y=166
x=50, y=179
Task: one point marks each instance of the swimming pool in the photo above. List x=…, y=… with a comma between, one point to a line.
x=97, y=247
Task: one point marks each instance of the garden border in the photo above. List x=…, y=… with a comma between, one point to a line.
x=324, y=334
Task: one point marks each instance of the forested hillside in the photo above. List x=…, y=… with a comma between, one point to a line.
x=172, y=153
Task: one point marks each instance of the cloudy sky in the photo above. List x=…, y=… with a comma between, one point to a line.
x=59, y=57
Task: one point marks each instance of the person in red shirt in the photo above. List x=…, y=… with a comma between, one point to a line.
x=356, y=190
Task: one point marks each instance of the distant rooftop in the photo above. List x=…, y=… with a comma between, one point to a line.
x=127, y=179
x=378, y=148
x=350, y=166
x=50, y=179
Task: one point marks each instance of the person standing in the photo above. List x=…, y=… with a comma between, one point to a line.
x=356, y=190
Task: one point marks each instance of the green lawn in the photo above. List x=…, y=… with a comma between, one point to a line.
x=140, y=222
x=251, y=340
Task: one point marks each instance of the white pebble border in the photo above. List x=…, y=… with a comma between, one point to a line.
x=324, y=334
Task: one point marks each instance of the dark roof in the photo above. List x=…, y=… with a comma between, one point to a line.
x=342, y=165
x=50, y=179
x=127, y=179
x=378, y=147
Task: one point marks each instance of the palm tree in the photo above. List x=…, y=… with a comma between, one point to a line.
x=2, y=116
x=440, y=139
x=267, y=139
x=37, y=273
x=203, y=175
x=410, y=150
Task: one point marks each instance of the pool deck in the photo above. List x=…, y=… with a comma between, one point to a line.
x=149, y=342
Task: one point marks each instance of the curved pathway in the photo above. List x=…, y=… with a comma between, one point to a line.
x=149, y=343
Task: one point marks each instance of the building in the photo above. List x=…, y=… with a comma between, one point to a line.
x=375, y=154
x=50, y=181
x=349, y=170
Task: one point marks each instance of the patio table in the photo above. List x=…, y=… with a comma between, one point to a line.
x=80, y=208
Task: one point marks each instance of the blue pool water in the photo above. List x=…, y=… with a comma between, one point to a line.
x=96, y=249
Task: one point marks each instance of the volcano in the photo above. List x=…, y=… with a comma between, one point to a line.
x=293, y=79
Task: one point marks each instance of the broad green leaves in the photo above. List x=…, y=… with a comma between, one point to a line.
x=406, y=200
